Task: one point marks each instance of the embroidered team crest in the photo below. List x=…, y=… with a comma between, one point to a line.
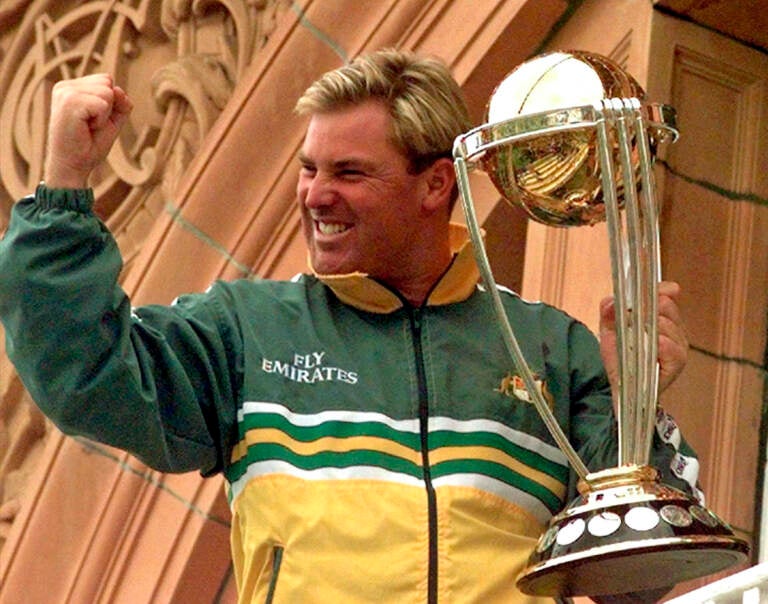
x=514, y=386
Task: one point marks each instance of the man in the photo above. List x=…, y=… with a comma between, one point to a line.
x=370, y=451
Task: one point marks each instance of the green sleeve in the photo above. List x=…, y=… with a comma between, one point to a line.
x=159, y=382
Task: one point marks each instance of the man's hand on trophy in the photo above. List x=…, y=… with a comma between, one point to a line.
x=86, y=116
x=673, y=341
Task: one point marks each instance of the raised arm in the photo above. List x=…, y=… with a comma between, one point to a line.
x=158, y=381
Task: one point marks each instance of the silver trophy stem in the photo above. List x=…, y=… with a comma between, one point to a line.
x=651, y=236
x=619, y=274
x=508, y=335
x=636, y=273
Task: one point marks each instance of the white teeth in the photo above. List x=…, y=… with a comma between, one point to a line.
x=331, y=228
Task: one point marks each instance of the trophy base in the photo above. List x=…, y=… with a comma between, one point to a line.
x=629, y=533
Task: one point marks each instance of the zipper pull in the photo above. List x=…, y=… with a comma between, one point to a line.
x=416, y=319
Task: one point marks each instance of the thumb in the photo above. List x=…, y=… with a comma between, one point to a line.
x=121, y=107
x=608, y=342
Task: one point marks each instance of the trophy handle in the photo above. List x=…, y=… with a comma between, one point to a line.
x=634, y=250
x=510, y=341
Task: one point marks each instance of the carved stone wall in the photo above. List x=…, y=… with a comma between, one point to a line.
x=180, y=61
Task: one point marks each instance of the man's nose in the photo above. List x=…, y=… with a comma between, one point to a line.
x=318, y=191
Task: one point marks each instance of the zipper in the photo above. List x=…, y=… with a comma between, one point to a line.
x=415, y=319
x=277, y=558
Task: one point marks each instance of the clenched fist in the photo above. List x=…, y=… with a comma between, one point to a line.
x=86, y=116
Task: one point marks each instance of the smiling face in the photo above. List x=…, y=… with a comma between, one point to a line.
x=361, y=208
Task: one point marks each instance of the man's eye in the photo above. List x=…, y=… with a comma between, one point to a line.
x=350, y=173
x=308, y=170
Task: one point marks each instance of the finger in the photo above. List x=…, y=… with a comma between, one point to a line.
x=670, y=331
x=672, y=356
x=670, y=288
x=670, y=318
x=607, y=313
x=670, y=311
x=121, y=106
x=89, y=99
x=672, y=343
x=91, y=78
x=95, y=85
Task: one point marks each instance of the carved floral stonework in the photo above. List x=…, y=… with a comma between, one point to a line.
x=179, y=60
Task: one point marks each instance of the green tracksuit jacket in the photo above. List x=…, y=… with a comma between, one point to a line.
x=373, y=452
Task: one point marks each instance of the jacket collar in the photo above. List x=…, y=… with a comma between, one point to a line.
x=457, y=284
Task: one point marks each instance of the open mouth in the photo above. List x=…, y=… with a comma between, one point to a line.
x=331, y=228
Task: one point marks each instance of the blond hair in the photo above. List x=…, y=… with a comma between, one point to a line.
x=424, y=101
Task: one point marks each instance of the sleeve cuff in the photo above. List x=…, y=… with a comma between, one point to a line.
x=78, y=200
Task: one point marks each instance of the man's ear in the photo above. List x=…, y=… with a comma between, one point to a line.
x=440, y=179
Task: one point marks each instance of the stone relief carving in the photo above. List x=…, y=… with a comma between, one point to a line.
x=179, y=60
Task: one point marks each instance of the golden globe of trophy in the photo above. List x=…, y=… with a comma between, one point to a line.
x=570, y=138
